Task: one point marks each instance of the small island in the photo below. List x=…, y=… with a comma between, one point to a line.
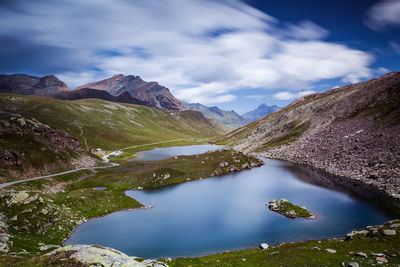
x=285, y=208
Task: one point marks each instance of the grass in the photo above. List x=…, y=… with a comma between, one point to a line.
x=63, y=202
x=154, y=174
x=306, y=253
x=284, y=207
x=98, y=123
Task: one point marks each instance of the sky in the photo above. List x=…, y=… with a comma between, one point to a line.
x=227, y=53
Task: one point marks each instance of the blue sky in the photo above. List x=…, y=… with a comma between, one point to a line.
x=229, y=53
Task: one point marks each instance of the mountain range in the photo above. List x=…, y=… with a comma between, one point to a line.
x=125, y=89
x=31, y=85
x=231, y=119
x=261, y=111
x=119, y=88
x=151, y=92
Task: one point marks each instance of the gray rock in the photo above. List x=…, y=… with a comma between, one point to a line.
x=388, y=232
x=353, y=264
x=332, y=251
x=102, y=256
x=378, y=255
x=361, y=254
x=263, y=246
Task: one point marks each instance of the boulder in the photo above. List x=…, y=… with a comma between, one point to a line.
x=263, y=246
x=361, y=254
x=329, y=250
x=93, y=255
x=381, y=260
x=17, y=198
x=388, y=232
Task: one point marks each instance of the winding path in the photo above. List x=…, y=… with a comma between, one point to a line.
x=81, y=169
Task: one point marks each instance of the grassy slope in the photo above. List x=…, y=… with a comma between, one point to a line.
x=97, y=123
x=110, y=125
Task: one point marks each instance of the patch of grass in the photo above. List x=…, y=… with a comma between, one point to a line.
x=307, y=253
x=286, y=208
x=154, y=174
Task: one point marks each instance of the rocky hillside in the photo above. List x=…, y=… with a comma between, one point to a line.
x=31, y=85
x=261, y=111
x=351, y=132
x=86, y=93
x=40, y=135
x=230, y=119
x=158, y=96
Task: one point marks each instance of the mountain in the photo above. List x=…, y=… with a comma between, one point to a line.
x=41, y=135
x=31, y=85
x=230, y=119
x=158, y=96
x=261, y=111
x=86, y=93
x=351, y=132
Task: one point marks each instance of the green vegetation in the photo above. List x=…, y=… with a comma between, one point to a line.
x=154, y=174
x=284, y=207
x=33, y=126
x=310, y=253
x=44, y=212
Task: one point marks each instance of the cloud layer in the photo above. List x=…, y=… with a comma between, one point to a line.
x=385, y=13
x=203, y=50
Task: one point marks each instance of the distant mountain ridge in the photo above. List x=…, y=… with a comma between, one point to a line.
x=230, y=119
x=151, y=92
x=261, y=111
x=86, y=93
x=31, y=85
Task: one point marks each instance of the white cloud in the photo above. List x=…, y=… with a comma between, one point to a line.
x=256, y=97
x=202, y=50
x=384, y=13
x=290, y=96
x=395, y=46
x=307, y=30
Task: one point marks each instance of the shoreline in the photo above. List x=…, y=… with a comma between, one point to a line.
x=87, y=220
x=357, y=187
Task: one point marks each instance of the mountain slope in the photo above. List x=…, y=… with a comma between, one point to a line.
x=86, y=93
x=261, y=111
x=230, y=119
x=158, y=96
x=38, y=134
x=351, y=132
x=31, y=85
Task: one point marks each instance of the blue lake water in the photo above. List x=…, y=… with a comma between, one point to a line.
x=229, y=212
x=164, y=153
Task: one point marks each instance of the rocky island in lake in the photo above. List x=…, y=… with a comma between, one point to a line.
x=284, y=207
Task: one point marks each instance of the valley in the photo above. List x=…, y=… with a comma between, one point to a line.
x=342, y=145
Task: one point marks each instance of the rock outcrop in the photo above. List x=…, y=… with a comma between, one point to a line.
x=86, y=93
x=150, y=92
x=31, y=85
x=92, y=255
x=350, y=132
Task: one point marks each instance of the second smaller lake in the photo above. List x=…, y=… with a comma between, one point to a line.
x=164, y=153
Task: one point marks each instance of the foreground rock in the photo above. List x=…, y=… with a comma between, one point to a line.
x=285, y=208
x=91, y=255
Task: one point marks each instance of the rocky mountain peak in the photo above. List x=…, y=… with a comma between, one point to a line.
x=149, y=92
x=31, y=85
